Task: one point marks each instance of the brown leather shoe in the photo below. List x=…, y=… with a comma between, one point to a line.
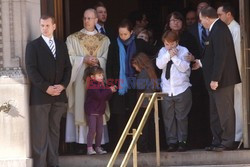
x=221, y=148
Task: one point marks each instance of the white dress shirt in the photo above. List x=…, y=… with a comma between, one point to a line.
x=179, y=71
x=98, y=27
x=46, y=39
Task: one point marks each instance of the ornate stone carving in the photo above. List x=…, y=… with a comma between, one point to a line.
x=5, y=107
x=14, y=72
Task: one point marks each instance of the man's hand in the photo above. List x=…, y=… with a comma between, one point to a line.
x=52, y=91
x=189, y=57
x=59, y=88
x=91, y=60
x=196, y=64
x=214, y=85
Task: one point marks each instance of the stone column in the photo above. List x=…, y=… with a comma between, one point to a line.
x=14, y=119
x=19, y=24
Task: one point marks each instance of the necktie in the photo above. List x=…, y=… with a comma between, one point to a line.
x=102, y=31
x=169, y=64
x=203, y=37
x=52, y=48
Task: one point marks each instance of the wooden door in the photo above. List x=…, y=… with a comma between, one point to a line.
x=245, y=34
x=55, y=8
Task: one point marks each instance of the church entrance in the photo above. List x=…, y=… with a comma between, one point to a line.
x=69, y=20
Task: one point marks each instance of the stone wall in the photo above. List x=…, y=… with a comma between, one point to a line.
x=19, y=23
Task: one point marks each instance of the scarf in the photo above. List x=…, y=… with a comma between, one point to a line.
x=126, y=70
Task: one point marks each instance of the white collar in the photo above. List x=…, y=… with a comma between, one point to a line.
x=232, y=23
x=46, y=39
x=211, y=26
x=98, y=26
x=88, y=32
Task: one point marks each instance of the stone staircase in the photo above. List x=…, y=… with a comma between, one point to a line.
x=196, y=158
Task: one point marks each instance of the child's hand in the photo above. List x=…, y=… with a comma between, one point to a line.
x=113, y=88
x=173, y=52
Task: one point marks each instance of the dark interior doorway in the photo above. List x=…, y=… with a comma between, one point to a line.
x=157, y=11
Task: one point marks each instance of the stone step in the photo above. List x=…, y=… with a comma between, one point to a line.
x=239, y=158
x=232, y=165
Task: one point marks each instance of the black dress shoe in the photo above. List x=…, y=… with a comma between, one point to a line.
x=182, y=146
x=221, y=148
x=211, y=148
x=172, y=147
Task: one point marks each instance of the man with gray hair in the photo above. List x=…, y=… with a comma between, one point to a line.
x=221, y=73
x=86, y=48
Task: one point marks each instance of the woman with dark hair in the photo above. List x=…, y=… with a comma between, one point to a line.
x=121, y=73
x=175, y=22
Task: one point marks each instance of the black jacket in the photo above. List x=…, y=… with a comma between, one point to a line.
x=219, y=60
x=44, y=70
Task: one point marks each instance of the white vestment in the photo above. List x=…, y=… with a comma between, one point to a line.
x=235, y=31
x=81, y=44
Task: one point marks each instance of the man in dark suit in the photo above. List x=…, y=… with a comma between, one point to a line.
x=49, y=70
x=221, y=73
x=101, y=25
x=196, y=28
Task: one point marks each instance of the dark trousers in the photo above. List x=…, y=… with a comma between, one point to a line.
x=121, y=107
x=175, y=111
x=147, y=139
x=45, y=132
x=222, y=116
x=199, y=131
x=95, y=123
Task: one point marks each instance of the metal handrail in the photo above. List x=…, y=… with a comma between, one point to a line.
x=138, y=131
x=153, y=101
x=126, y=130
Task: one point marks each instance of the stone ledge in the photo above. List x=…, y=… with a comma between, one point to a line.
x=189, y=158
x=13, y=75
x=19, y=162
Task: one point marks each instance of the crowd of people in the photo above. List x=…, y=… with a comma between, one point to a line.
x=96, y=77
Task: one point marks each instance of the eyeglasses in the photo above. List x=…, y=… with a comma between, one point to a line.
x=175, y=20
x=88, y=18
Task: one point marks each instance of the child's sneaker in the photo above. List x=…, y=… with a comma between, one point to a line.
x=100, y=150
x=91, y=151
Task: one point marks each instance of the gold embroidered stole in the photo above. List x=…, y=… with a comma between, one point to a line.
x=90, y=43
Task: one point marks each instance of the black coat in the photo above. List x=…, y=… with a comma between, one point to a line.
x=125, y=103
x=44, y=70
x=195, y=32
x=219, y=60
x=190, y=42
x=113, y=60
